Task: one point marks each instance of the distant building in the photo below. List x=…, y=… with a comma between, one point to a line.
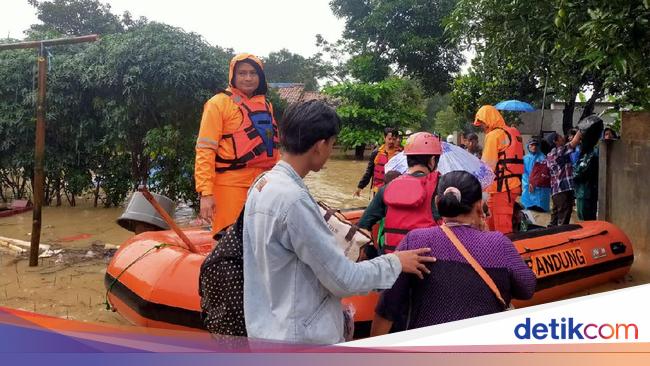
x=553, y=117
x=295, y=92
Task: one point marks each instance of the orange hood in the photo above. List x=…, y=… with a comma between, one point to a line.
x=256, y=63
x=491, y=117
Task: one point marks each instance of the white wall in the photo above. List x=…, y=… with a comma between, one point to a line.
x=553, y=118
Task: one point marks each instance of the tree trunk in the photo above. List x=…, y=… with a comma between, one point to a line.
x=567, y=116
x=599, y=92
x=569, y=108
x=358, y=152
x=2, y=185
x=47, y=200
x=69, y=197
x=99, y=181
x=57, y=192
x=23, y=188
x=139, y=168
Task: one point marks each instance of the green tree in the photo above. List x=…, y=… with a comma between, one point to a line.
x=279, y=104
x=447, y=121
x=575, y=45
x=407, y=33
x=17, y=119
x=367, y=108
x=109, y=104
x=172, y=169
x=284, y=66
x=150, y=77
x=434, y=104
x=76, y=17
x=335, y=58
x=368, y=68
x=486, y=83
x=618, y=34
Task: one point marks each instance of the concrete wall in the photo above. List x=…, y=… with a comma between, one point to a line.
x=624, y=182
x=553, y=119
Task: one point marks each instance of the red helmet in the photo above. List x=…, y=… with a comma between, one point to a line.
x=422, y=143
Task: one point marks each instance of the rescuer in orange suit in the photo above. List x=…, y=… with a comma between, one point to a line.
x=503, y=152
x=238, y=140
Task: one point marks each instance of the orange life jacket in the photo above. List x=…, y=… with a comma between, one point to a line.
x=254, y=143
x=510, y=163
x=408, y=200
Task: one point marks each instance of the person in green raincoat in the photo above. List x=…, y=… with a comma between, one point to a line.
x=585, y=172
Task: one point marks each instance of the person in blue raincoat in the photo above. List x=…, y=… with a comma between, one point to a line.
x=536, y=198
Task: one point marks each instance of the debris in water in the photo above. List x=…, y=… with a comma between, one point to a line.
x=74, y=237
x=50, y=253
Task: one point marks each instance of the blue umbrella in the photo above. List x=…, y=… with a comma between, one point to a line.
x=515, y=106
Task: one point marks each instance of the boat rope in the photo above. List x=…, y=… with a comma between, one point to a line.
x=109, y=306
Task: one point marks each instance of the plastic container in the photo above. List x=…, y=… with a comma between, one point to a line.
x=139, y=209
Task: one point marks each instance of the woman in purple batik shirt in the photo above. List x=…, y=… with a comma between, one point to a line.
x=454, y=290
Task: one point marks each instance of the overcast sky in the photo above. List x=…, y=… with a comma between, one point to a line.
x=256, y=26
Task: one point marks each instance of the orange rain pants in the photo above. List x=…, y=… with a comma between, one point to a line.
x=501, y=206
x=228, y=203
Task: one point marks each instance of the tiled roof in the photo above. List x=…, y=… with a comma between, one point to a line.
x=295, y=92
x=283, y=85
x=292, y=94
x=311, y=95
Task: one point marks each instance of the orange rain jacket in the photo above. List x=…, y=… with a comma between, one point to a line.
x=496, y=140
x=221, y=116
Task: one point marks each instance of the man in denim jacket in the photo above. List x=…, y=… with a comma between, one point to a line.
x=294, y=273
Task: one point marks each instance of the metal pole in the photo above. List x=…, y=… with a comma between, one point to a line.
x=541, y=125
x=48, y=42
x=39, y=152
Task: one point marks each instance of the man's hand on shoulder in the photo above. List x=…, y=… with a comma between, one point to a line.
x=414, y=261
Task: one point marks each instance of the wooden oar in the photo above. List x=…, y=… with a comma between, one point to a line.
x=145, y=192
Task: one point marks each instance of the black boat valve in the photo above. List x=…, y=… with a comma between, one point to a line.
x=617, y=247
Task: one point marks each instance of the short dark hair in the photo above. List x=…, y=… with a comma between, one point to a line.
x=472, y=136
x=552, y=138
x=470, y=193
x=304, y=124
x=391, y=175
x=392, y=130
x=611, y=130
x=413, y=160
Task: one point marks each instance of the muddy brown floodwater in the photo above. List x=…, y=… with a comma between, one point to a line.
x=71, y=285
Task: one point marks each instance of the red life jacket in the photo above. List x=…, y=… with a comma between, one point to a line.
x=378, y=177
x=510, y=163
x=255, y=143
x=408, y=200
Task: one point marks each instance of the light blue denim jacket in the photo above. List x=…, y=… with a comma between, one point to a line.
x=294, y=273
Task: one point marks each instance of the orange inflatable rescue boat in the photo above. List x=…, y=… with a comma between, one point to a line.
x=153, y=278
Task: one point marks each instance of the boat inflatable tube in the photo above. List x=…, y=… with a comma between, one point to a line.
x=153, y=279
